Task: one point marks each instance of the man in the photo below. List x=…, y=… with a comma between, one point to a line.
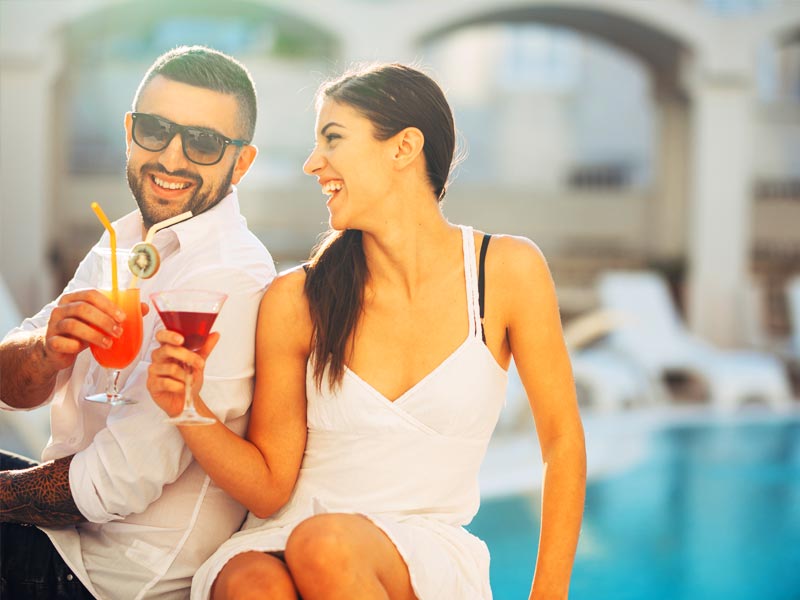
x=126, y=511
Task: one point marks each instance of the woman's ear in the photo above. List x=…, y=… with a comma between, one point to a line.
x=407, y=146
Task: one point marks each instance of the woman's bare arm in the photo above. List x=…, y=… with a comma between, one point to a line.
x=537, y=345
x=260, y=471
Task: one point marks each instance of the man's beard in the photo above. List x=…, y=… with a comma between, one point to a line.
x=200, y=200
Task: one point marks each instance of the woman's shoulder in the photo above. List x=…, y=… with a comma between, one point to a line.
x=283, y=316
x=286, y=292
x=289, y=281
x=512, y=255
x=517, y=274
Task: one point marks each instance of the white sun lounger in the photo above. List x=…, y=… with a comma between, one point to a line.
x=793, y=306
x=654, y=336
x=605, y=381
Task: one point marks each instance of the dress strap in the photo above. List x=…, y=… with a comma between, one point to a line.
x=471, y=276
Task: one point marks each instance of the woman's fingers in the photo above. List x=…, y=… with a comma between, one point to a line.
x=170, y=363
x=211, y=342
x=165, y=382
x=165, y=336
x=167, y=370
x=165, y=385
x=171, y=351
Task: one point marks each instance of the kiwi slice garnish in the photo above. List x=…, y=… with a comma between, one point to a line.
x=143, y=261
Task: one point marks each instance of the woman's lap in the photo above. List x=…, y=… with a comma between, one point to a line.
x=442, y=560
x=324, y=547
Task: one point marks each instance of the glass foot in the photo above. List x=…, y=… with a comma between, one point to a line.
x=110, y=399
x=191, y=417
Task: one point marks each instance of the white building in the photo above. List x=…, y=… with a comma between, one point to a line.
x=612, y=132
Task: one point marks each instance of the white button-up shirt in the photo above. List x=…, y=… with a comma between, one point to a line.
x=153, y=514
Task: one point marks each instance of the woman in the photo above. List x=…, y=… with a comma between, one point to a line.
x=381, y=367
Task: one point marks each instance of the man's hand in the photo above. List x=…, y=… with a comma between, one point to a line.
x=81, y=318
x=39, y=495
x=31, y=360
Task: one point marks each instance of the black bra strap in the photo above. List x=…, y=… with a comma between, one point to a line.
x=482, y=279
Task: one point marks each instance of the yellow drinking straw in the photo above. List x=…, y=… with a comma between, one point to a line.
x=113, y=236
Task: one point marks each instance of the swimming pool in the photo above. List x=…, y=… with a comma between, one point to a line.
x=712, y=512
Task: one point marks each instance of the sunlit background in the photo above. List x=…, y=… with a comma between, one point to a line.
x=650, y=147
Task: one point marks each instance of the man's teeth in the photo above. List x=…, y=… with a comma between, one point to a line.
x=169, y=186
x=332, y=187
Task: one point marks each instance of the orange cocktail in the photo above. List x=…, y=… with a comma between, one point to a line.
x=124, y=348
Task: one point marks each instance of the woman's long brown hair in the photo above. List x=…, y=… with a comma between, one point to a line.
x=393, y=97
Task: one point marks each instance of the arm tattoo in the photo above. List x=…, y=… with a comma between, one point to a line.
x=39, y=495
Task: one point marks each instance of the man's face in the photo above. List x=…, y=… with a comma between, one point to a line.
x=166, y=183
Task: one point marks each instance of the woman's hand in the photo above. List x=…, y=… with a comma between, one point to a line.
x=167, y=372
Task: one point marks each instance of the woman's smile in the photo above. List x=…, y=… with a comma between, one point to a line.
x=332, y=188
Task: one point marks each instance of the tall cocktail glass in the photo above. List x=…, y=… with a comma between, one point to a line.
x=190, y=313
x=126, y=347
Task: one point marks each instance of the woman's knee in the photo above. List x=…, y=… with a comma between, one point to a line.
x=345, y=552
x=321, y=545
x=254, y=575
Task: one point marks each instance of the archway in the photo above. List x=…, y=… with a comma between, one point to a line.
x=657, y=211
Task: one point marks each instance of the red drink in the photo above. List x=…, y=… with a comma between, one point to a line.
x=190, y=313
x=124, y=348
x=193, y=326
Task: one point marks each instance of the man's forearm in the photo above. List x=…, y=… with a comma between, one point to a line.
x=26, y=377
x=39, y=496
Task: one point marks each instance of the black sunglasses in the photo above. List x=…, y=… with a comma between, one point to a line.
x=201, y=146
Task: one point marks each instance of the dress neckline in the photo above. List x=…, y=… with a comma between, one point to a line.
x=419, y=384
x=471, y=289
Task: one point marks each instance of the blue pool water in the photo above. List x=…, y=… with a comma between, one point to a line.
x=712, y=513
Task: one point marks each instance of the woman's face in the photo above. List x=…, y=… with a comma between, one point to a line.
x=353, y=168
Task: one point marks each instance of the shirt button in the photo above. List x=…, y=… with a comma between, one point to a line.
x=70, y=577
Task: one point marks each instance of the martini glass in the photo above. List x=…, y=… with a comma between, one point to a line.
x=190, y=313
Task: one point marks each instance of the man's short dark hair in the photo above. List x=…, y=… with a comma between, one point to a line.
x=208, y=68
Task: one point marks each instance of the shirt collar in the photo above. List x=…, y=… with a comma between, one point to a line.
x=224, y=214
x=221, y=216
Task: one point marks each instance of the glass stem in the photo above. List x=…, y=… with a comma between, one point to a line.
x=188, y=399
x=112, y=390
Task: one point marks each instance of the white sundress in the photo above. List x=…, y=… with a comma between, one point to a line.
x=409, y=465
